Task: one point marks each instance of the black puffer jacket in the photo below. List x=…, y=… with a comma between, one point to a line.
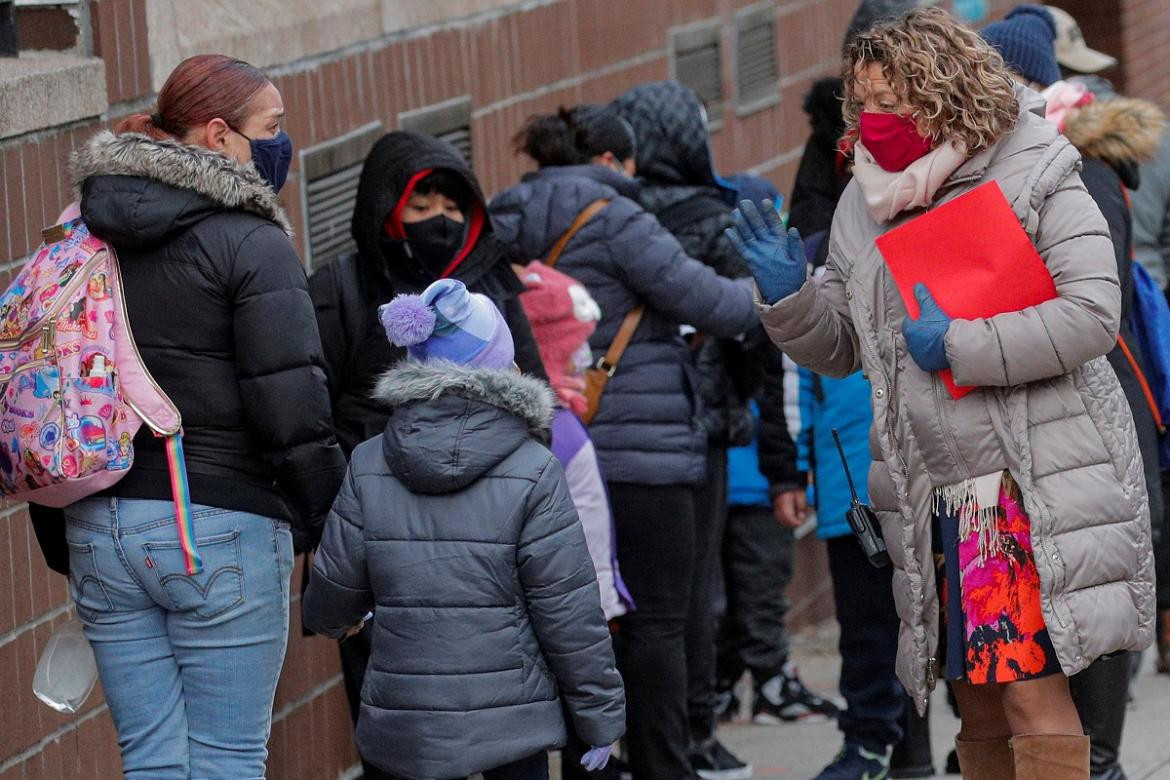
x=219, y=307
x=646, y=430
x=821, y=176
x=347, y=293
x=1115, y=136
x=458, y=531
x=680, y=188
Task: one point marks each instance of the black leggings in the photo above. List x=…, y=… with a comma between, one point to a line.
x=655, y=528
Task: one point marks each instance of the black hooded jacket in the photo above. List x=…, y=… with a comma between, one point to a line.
x=218, y=303
x=680, y=188
x=347, y=293
x=820, y=178
x=1114, y=136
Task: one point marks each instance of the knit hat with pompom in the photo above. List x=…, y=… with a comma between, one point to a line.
x=446, y=322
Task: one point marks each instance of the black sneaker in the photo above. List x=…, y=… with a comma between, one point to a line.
x=713, y=761
x=856, y=763
x=784, y=699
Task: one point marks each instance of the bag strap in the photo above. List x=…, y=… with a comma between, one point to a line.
x=589, y=213
x=1143, y=382
x=181, y=494
x=609, y=362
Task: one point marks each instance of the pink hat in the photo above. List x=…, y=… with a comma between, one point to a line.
x=563, y=317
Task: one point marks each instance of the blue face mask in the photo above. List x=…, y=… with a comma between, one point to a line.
x=272, y=158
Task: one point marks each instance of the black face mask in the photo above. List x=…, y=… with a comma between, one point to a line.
x=431, y=245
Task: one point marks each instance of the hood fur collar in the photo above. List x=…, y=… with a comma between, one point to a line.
x=1118, y=130
x=213, y=175
x=529, y=399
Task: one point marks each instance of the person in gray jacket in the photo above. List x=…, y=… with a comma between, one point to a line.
x=1016, y=517
x=650, y=442
x=456, y=529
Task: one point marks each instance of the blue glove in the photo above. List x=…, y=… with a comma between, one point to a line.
x=926, y=336
x=596, y=758
x=776, y=258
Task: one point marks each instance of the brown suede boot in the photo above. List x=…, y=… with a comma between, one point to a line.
x=1051, y=756
x=985, y=759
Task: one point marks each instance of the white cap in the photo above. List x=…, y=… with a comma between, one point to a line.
x=1071, y=50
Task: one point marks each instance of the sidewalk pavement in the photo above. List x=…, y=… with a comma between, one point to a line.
x=799, y=751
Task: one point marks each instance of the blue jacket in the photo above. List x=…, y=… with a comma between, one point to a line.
x=647, y=429
x=826, y=404
x=746, y=484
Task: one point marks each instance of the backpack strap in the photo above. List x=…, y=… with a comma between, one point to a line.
x=587, y=214
x=181, y=494
x=598, y=377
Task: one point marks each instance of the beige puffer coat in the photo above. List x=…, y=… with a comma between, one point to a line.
x=1050, y=410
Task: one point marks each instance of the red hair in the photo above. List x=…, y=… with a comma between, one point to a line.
x=201, y=88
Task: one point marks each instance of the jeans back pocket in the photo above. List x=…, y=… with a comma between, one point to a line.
x=85, y=583
x=218, y=589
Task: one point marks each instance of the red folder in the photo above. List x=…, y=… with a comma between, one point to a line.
x=973, y=256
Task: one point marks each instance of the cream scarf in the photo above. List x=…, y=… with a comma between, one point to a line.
x=889, y=194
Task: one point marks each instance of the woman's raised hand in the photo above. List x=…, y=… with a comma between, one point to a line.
x=775, y=256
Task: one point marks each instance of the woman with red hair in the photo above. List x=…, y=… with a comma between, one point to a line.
x=218, y=302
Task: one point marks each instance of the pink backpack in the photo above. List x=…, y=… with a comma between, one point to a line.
x=74, y=388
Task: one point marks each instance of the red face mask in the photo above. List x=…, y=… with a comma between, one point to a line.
x=893, y=140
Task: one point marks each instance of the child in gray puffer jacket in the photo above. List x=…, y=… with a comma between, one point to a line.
x=457, y=530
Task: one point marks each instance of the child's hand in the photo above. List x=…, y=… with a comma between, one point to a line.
x=596, y=758
x=791, y=508
x=358, y=628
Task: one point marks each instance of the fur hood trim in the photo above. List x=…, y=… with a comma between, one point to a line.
x=1118, y=130
x=211, y=174
x=529, y=399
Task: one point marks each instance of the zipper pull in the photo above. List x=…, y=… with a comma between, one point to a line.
x=930, y=678
x=46, y=344
x=149, y=562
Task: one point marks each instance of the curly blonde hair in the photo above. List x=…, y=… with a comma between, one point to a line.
x=955, y=81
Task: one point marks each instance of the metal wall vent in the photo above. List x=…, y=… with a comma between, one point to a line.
x=331, y=172
x=697, y=61
x=757, y=72
x=449, y=121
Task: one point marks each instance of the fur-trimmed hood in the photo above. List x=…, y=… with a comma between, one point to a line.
x=1119, y=131
x=220, y=180
x=451, y=424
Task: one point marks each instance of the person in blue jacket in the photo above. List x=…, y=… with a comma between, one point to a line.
x=871, y=723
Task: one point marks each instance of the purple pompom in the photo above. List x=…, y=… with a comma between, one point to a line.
x=408, y=320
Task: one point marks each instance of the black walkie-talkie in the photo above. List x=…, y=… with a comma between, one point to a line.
x=862, y=519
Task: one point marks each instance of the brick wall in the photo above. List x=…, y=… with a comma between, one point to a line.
x=1145, y=36
x=527, y=59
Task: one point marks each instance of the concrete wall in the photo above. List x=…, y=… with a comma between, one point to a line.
x=342, y=64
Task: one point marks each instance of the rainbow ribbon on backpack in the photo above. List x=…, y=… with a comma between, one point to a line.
x=182, y=497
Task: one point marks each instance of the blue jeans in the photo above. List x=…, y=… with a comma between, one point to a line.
x=189, y=664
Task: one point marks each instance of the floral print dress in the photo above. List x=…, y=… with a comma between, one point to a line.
x=993, y=626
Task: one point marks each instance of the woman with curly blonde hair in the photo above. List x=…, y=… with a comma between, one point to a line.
x=1015, y=516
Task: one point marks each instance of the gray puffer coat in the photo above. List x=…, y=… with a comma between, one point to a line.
x=1050, y=409
x=457, y=529
x=647, y=430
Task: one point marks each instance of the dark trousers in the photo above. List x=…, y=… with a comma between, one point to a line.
x=1099, y=693
x=869, y=646
x=531, y=768
x=710, y=521
x=655, y=529
x=757, y=567
x=1162, y=546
